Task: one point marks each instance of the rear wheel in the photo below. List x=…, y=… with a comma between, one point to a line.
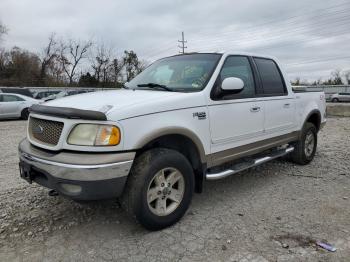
x=335, y=100
x=25, y=114
x=159, y=189
x=305, y=148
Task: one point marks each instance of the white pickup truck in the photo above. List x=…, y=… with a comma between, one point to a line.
x=183, y=120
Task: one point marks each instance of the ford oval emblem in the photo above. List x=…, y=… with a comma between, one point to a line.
x=38, y=129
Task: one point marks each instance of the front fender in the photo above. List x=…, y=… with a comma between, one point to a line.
x=139, y=131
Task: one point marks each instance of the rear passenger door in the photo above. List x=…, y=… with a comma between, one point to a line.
x=279, y=105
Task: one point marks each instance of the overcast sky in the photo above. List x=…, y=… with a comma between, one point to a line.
x=311, y=37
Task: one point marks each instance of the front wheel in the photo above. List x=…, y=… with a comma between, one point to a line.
x=305, y=148
x=159, y=189
x=335, y=100
x=25, y=114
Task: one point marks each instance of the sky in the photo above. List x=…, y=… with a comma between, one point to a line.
x=310, y=38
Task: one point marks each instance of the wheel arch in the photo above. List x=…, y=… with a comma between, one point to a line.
x=314, y=117
x=24, y=110
x=183, y=141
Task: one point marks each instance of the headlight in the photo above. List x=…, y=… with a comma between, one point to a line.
x=94, y=135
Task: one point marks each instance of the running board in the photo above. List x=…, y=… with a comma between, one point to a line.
x=243, y=166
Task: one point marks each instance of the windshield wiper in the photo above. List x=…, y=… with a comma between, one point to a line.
x=155, y=85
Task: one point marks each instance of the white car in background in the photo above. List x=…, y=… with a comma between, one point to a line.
x=340, y=97
x=15, y=105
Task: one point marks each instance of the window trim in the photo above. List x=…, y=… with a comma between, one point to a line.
x=229, y=94
x=263, y=94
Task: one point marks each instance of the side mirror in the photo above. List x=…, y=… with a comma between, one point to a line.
x=232, y=84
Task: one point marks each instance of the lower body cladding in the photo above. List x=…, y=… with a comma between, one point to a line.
x=79, y=176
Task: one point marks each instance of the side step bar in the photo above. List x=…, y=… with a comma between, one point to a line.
x=243, y=166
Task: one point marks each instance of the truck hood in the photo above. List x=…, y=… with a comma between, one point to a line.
x=121, y=104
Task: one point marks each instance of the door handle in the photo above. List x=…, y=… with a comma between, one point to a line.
x=255, y=109
x=286, y=105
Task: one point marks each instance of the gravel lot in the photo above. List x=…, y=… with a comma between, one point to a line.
x=271, y=213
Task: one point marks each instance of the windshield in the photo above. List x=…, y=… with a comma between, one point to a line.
x=178, y=73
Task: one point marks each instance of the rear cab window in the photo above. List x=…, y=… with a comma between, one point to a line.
x=271, y=77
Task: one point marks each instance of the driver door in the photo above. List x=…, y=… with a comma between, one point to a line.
x=235, y=119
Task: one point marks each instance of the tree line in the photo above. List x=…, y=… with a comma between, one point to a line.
x=69, y=62
x=337, y=77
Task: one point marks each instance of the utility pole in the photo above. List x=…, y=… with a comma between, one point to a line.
x=182, y=46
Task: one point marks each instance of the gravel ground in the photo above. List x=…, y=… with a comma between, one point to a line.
x=271, y=213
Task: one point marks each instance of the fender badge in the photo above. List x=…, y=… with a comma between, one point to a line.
x=200, y=115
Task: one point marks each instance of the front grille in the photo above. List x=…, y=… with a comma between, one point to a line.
x=45, y=131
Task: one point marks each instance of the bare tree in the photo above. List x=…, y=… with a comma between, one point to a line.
x=296, y=82
x=71, y=54
x=19, y=67
x=337, y=80
x=346, y=75
x=117, y=69
x=131, y=63
x=55, y=70
x=4, y=57
x=48, y=56
x=101, y=63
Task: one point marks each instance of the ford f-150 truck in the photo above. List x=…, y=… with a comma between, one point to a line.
x=183, y=120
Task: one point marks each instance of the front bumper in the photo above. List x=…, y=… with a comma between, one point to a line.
x=79, y=176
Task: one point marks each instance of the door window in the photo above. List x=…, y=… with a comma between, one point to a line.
x=271, y=77
x=239, y=67
x=11, y=98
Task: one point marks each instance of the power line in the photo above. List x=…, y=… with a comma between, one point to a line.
x=317, y=12
x=325, y=19
x=182, y=46
x=279, y=33
x=319, y=28
x=267, y=22
x=318, y=60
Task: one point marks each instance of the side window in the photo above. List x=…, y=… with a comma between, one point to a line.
x=271, y=77
x=1, y=98
x=11, y=98
x=239, y=66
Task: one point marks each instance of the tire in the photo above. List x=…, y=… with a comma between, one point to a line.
x=335, y=100
x=145, y=183
x=25, y=114
x=304, y=149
